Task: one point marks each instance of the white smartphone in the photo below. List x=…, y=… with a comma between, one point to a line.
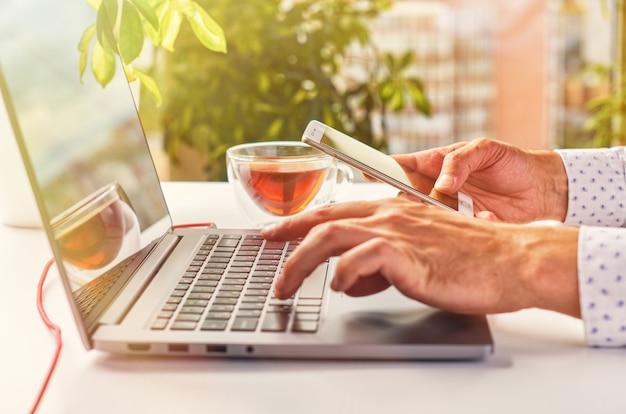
x=371, y=161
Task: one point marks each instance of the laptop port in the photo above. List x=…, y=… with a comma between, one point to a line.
x=216, y=349
x=178, y=347
x=139, y=347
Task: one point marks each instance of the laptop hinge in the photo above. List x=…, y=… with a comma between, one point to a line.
x=140, y=280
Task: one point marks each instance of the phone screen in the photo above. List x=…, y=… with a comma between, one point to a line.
x=363, y=157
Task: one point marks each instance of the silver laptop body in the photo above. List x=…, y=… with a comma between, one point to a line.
x=135, y=284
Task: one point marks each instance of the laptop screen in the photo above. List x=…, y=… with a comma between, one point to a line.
x=89, y=162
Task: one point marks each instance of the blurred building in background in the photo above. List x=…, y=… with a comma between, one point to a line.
x=453, y=49
x=517, y=71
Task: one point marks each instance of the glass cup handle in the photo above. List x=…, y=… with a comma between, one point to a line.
x=345, y=178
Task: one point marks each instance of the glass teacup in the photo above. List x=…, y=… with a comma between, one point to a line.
x=273, y=180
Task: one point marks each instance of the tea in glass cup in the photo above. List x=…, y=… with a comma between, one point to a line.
x=92, y=233
x=272, y=180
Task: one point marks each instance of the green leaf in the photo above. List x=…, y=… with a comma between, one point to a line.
x=170, y=26
x=274, y=129
x=83, y=48
x=208, y=32
x=397, y=101
x=150, y=86
x=147, y=11
x=102, y=64
x=107, y=15
x=94, y=4
x=421, y=102
x=406, y=60
x=131, y=34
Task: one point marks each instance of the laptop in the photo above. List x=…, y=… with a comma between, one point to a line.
x=138, y=285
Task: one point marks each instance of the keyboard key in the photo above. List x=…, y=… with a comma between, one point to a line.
x=209, y=271
x=253, y=299
x=203, y=289
x=243, y=264
x=236, y=275
x=245, y=324
x=218, y=315
x=200, y=295
x=233, y=288
x=165, y=314
x=262, y=286
x=307, y=316
x=222, y=308
x=213, y=325
x=211, y=265
x=305, y=326
x=228, y=243
x=159, y=324
x=275, y=322
x=274, y=245
x=184, y=326
x=221, y=254
x=227, y=294
x=313, y=286
x=251, y=306
x=189, y=317
x=192, y=309
x=225, y=301
x=266, y=268
x=254, y=313
x=261, y=279
x=276, y=301
x=215, y=259
x=257, y=292
x=258, y=273
x=234, y=282
x=280, y=308
x=308, y=309
x=310, y=302
x=274, y=257
x=196, y=302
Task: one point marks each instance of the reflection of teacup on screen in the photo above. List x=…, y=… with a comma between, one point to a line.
x=91, y=234
x=277, y=179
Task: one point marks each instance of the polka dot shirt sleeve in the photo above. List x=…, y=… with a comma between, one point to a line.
x=597, y=198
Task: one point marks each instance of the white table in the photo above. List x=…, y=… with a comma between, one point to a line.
x=541, y=363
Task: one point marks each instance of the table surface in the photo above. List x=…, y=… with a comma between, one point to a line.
x=540, y=363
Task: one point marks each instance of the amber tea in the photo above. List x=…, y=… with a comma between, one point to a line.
x=274, y=180
x=93, y=235
x=282, y=190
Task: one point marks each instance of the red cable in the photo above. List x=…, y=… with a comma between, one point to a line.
x=52, y=327
x=189, y=225
x=56, y=330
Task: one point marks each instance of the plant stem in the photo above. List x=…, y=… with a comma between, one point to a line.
x=620, y=66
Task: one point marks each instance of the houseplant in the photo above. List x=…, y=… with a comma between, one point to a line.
x=286, y=64
x=608, y=113
x=131, y=22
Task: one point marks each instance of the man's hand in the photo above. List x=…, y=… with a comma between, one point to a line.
x=437, y=257
x=505, y=182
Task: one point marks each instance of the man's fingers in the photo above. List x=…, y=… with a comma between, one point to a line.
x=373, y=266
x=300, y=225
x=459, y=164
x=324, y=241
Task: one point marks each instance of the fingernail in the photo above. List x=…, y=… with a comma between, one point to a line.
x=444, y=181
x=270, y=228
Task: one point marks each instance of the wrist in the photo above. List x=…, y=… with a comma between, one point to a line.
x=550, y=275
x=554, y=186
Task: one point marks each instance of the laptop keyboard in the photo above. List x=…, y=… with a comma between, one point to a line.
x=228, y=286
